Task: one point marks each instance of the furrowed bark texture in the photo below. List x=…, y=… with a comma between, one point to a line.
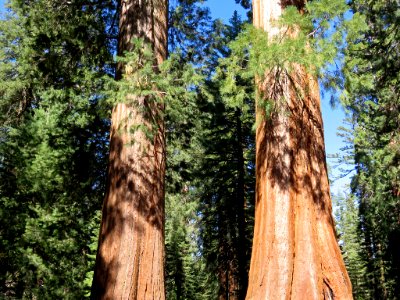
x=295, y=254
x=130, y=258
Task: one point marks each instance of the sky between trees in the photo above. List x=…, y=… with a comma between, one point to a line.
x=332, y=116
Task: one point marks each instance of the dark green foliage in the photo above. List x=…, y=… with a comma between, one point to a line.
x=189, y=265
x=372, y=96
x=244, y=3
x=187, y=276
x=227, y=176
x=56, y=91
x=53, y=145
x=227, y=191
x=192, y=38
x=347, y=221
x=189, y=29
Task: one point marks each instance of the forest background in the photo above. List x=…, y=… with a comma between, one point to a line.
x=56, y=57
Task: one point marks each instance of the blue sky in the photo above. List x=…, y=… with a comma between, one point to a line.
x=332, y=117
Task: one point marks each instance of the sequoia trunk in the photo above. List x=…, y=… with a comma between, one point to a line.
x=295, y=254
x=130, y=258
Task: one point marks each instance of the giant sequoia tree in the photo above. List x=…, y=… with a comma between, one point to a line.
x=295, y=254
x=130, y=256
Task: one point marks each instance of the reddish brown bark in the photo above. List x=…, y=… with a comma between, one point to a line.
x=130, y=258
x=295, y=253
x=227, y=273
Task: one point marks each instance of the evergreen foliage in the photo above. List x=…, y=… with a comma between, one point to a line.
x=347, y=221
x=190, y=28
x=227, y=173
x=191, y=40
x=190, y=141
x=371, y=74
x=318, y=33
x=56, y=91
x=53, y=145
x=187, y=276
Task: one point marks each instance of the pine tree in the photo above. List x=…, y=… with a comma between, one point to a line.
x=53, y=57
x=200, y=41
x=226, y=170
x=372, y=97
x=347, y=221
x=187, y=276
x=227, y=194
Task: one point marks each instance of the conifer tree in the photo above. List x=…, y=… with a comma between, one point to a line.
x=227, y=176
x=56, y=88
x=347, y=220
x=53, y=57
x=130, y=258
x=190, y=39
x=372, y=97
x=295, y=253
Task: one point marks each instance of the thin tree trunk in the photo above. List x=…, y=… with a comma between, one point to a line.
x=232, y=273
x=225, y=269
x=295, y=254
x=240, y=208
x=130, y=258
